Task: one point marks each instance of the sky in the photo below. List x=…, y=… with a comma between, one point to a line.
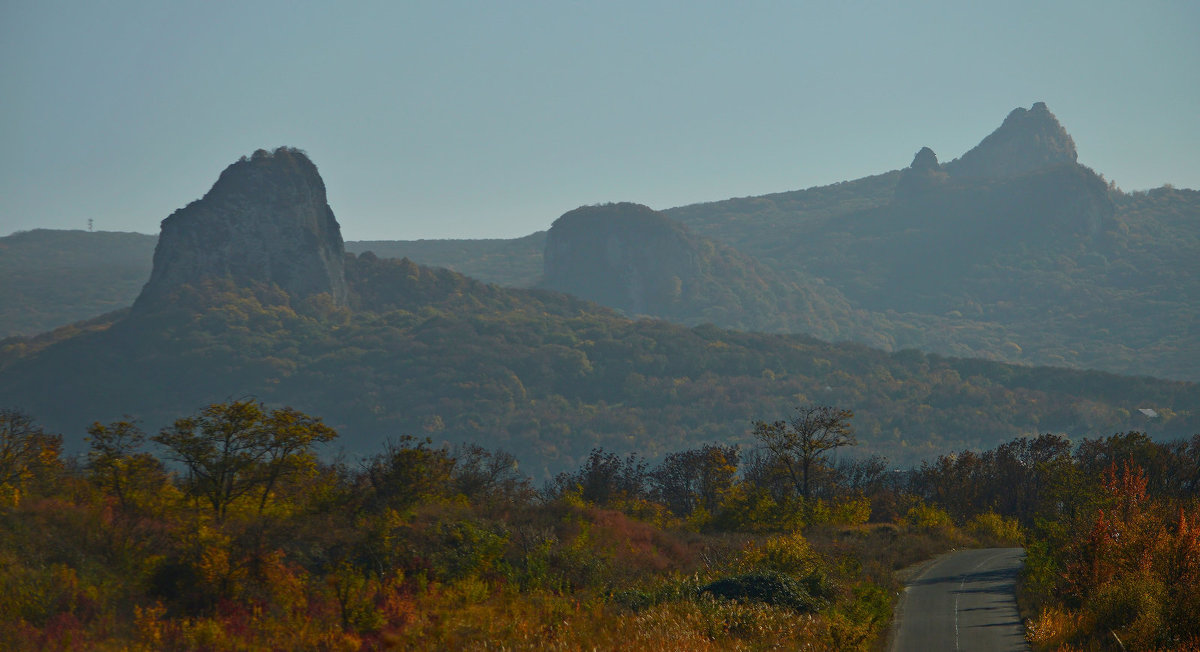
x=448, y=119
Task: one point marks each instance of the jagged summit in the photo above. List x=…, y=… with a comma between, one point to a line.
x=1028, y=140
x=265, y=220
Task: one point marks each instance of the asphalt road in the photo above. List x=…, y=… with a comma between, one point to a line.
x=962, y=601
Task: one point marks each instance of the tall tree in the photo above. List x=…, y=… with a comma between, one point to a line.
x=238, y=448
x=25, y=449
x=695, y=478
x=802, y=442
x=117, y=463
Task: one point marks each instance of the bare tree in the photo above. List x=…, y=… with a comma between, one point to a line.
x=803, y=441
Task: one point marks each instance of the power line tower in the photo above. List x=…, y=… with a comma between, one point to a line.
x=89, y=225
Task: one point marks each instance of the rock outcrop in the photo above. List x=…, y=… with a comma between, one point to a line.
x=925, y=162
x=629, y=257
x=923, y=175
x=624, y=255
x=265, y=220
x=1028, y=140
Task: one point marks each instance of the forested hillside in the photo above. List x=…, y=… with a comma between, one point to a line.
x=692, y=485
x=429, y=351
x=1020, y=255
x=54, y=278
x=514, y=263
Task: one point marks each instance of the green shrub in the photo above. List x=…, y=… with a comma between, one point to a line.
x=1134, y=608
x=746, y=508
x=771, y=588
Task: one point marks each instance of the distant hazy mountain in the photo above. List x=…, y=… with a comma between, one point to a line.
x=1011, y=252
x=632, y=258
x=510, y=262
x=53, y=278
x=418, y=350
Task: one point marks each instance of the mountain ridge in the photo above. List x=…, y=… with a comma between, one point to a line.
x=546, y=375
x=1028, y=140
x=1081, y=275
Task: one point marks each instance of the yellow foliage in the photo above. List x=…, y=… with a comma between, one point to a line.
x=746, y=508
x=148, y=625
x=928, y=518
x=994, y=527
x=851, y=511
x=1053, y=626
x=816, y=511
x=10, y=494
x=786, y=553
x=699, y=519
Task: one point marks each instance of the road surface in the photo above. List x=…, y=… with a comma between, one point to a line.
x=962, y=601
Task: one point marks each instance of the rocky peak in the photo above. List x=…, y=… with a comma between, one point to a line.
x=923, y=175
x=624, y=255
x=925, y=161
x=265, y=220
x=1028, y=140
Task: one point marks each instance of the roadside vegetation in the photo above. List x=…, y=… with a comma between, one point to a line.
x=1111, y=529
x=227, y=530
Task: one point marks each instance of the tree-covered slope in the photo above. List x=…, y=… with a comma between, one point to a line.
x=430, y=352
x=515, y=262
x=1050, y=267
x=52, y=278
x=766, y=225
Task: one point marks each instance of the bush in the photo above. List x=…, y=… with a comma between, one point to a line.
x=993, y=528
x=854, y=510
x=790, y=554
x=747, y=508
x=928, y=518
x=1134, y=608
x=771, y=588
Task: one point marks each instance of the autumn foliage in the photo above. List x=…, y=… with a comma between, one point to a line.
x=1134, y=576
x=428, y=546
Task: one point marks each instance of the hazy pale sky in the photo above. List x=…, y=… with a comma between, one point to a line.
x=452, y=119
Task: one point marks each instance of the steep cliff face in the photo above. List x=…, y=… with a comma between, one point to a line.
x=1026, y=141
x=624, y=255
x=265, y=220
